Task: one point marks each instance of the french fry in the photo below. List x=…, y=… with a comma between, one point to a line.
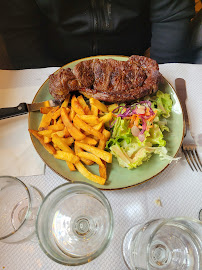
x=98, y=104
x=107, y=134
x=66, y=156
x=46, y=132
x=80, y=123
x=82, y=169
x=94, y=110
x=56, y=127
x=90, y=157
x=45, y=110
x=47, y=139
x=83, y=105
x=76, y=106
x=46, y=118
x=68, y=141
x=56, y=147
x=71, y=166
x=112, y=107
x=61, y=143
x=98, y=126
x=61, y=133
x=47, y=146
x=59, y=121
x=66, y=132
x=106, y=118
x=75, y=133
x=72, y=114
x=56, y=114
x=90, y=119
x=102, y=143
x=78, y=150
x=81, y=126
x=89, y=140
x=94, y=150
x=45, y=121
x=103, y=170
x=66, y=102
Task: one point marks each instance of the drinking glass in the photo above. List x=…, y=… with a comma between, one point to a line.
x=19, y=205
x=167, y=244
x=74, y=223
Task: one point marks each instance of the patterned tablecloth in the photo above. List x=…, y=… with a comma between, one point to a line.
x=178, y=188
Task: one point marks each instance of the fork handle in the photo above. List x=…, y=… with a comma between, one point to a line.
x=180, y=86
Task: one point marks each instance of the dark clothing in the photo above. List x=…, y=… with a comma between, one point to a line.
x=39, y=33
x=196, y=41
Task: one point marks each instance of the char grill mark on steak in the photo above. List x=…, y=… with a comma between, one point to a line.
x=111, y=80
x=102, y=73
x=84, y=72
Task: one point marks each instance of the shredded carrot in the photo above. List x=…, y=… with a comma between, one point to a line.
x=137, y=120
x=132, y=120
x=147, y=112
x=150, y=126
x=153, y=116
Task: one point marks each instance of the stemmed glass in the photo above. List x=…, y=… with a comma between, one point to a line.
x=167, y=244
x=74, y=223
x=19, y=205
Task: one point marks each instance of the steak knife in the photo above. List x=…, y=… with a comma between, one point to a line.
x=24, y=108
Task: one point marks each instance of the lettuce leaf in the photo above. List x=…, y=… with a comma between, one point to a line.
x=156, y=136
x=129, y=150
x=140, y=156
x=162, y=103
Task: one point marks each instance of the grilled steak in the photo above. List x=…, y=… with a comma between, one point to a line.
x=61, y=83
x=109, y=80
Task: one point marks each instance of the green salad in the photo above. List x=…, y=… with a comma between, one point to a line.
x=137, y=130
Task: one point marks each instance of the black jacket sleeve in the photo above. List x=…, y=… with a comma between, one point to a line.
x=171, y=30
x=20, y=28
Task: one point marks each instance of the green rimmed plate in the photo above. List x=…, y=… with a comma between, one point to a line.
x=118, y=177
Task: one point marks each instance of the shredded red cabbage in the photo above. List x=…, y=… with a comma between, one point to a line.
x=146, y=101
x=118, y=108
x=131, y=110
x=144, y=125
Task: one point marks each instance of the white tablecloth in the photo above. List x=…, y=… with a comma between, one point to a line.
x=178, y=188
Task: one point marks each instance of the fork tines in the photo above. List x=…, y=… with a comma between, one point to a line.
x=192, y=158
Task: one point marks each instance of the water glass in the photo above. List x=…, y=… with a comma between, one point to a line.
x=19, y=205
x=74, y=223
x=168, y=244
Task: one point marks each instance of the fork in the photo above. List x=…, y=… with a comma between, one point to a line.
x=189, y=147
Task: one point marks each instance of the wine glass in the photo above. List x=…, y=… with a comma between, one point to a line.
x=19, y=205
x=74, y=223
x=166, y=244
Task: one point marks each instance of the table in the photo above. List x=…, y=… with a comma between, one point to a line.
x=178, y=188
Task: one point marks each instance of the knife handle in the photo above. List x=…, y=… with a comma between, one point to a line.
x=180, y=86
x=13, y=111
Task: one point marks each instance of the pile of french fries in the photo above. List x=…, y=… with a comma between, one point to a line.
x=76, y=134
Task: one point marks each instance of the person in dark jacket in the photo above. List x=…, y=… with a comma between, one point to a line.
x=41, y=33
x=196, y=40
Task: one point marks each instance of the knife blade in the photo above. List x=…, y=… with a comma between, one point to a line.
x=24, y=108
x=180, y=86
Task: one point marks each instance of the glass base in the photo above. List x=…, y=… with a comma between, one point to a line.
x=126, y=244
x=21, y=213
